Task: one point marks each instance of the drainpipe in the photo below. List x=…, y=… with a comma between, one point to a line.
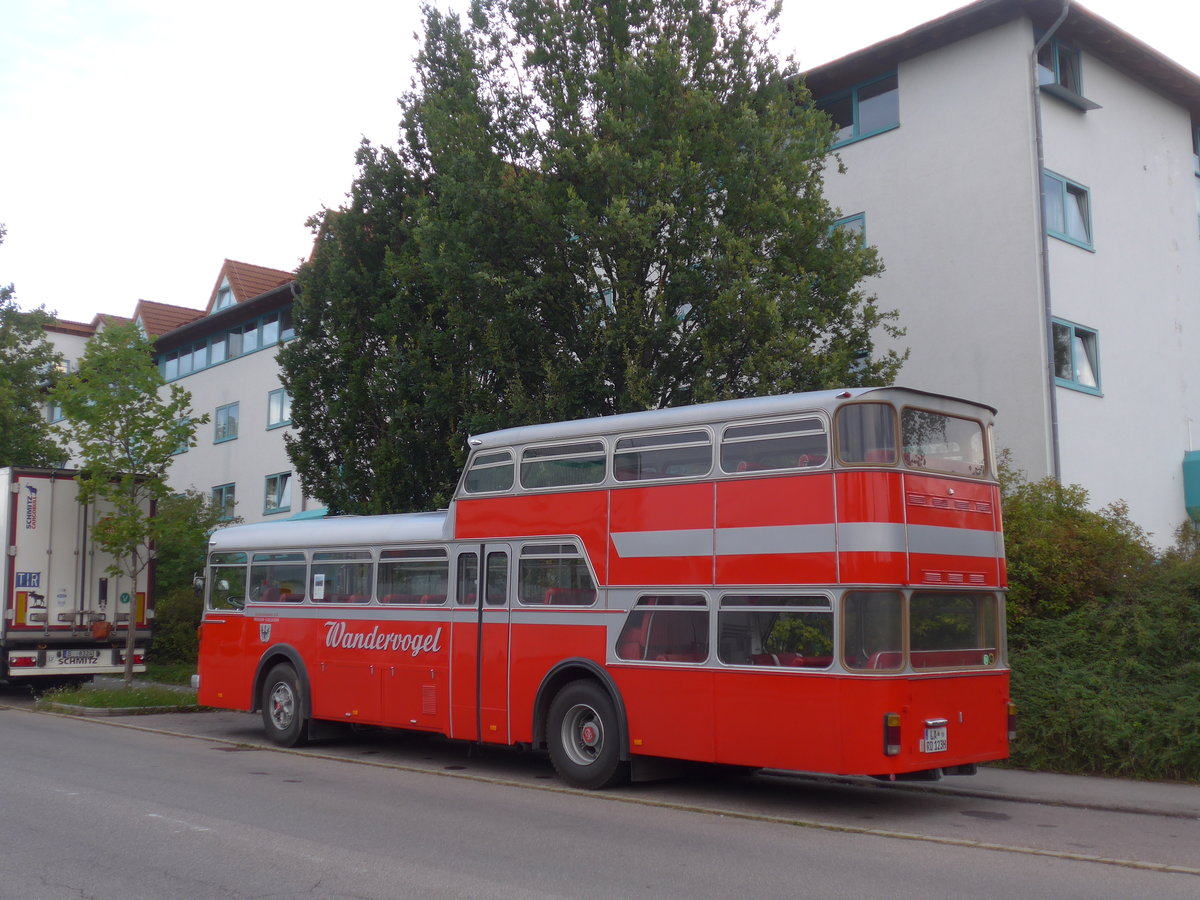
x=1055, y=459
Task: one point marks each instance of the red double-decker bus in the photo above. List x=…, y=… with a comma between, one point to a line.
x=808, y=582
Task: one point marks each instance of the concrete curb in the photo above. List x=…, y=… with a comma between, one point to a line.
x=71, y=709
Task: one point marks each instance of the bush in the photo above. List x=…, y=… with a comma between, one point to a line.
x=1104, y=638
x=1113, y=688
x=176, y=618
x=1061, y=554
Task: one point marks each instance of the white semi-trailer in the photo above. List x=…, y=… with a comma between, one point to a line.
x=65, y=616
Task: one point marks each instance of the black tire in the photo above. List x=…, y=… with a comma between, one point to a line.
x=583, y=735
x=283, y=707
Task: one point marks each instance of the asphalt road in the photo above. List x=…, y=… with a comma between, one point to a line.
x=117, y=808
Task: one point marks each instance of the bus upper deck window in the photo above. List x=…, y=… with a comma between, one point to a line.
x=563, y=465
x=652, y=457
x=942, y=443
x=489, y=473
x=867, y=434
x=771, y=446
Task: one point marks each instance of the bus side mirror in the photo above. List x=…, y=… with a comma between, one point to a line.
x=198, y=584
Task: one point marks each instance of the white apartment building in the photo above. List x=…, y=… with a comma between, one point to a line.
x=1029, y=174
x=225, y=358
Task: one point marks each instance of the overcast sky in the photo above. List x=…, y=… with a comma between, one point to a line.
x=142, y=142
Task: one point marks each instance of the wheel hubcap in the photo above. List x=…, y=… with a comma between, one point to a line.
x=583, y=734
x=283, y=706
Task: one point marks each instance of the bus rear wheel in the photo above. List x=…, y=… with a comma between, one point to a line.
x=282, y=707
x=582, y=734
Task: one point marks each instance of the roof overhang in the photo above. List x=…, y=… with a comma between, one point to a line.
x=1082, y=28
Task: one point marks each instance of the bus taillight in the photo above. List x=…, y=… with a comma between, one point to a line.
x=891, y=734
x=1012, y=721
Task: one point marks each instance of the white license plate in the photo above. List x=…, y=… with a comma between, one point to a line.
x=935, y=741
x=78, y=657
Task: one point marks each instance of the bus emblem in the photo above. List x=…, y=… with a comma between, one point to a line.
x=264, y=632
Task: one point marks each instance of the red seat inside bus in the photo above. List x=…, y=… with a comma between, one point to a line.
x=885, y=659
x=791, y=659
x=934, y=659
x=560, y=596
x=930, y=659
x=413, y=598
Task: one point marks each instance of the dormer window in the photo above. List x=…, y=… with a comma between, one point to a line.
x=224, y=297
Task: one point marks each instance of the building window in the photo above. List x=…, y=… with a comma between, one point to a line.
x=1068, y=210
x=223, y=501
x=864, y=110
x=1076, y=357
x=1059, y=63
x=1196, y=166
x=185, y=443
x=279, y=408
x=856, y=223
x=224, y=297
x=278, y=496
x=226, y=421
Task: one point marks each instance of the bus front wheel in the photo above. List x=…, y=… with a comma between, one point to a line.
x=583, y=736
x=282, y=707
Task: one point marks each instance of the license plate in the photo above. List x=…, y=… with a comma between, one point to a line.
x=78, y=657
x=935, y=741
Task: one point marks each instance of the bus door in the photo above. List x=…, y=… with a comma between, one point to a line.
x=226, y=669
x=479, y=644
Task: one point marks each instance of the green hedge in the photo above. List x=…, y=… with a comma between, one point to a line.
x=1104, y=638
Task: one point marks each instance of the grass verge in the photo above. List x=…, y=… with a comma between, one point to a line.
x=137, y=697
x=169, y=672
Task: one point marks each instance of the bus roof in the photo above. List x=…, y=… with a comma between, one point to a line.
x=335, y=531
x=699, y=413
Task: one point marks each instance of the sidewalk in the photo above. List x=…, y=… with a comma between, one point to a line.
x=1088, y=791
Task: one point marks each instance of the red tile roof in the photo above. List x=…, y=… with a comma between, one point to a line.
x=247, y=281
x=65, y=326
x=159, y=318
x=106, y=319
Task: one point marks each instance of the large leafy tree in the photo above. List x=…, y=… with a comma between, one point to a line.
x=28, y=365
x=593, y=208
x=126, y=429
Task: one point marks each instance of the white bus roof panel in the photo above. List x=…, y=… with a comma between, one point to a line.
x=335, y=531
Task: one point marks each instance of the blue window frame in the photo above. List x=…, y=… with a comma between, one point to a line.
x=277, y=497
x=1068, y=209
x=262, y=333
x=225, y=423
x=1076, y=356
x=1060, y=64
x=185, y=444
x=865, y=109
x=1196, y=166
x=856, y=223
x=279, y=409
x=223, y=500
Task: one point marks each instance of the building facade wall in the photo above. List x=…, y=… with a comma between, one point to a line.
x=950, y=201
x=257, y=452
x=1138, y=287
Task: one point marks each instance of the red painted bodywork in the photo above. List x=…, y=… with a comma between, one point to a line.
x=802, y=719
